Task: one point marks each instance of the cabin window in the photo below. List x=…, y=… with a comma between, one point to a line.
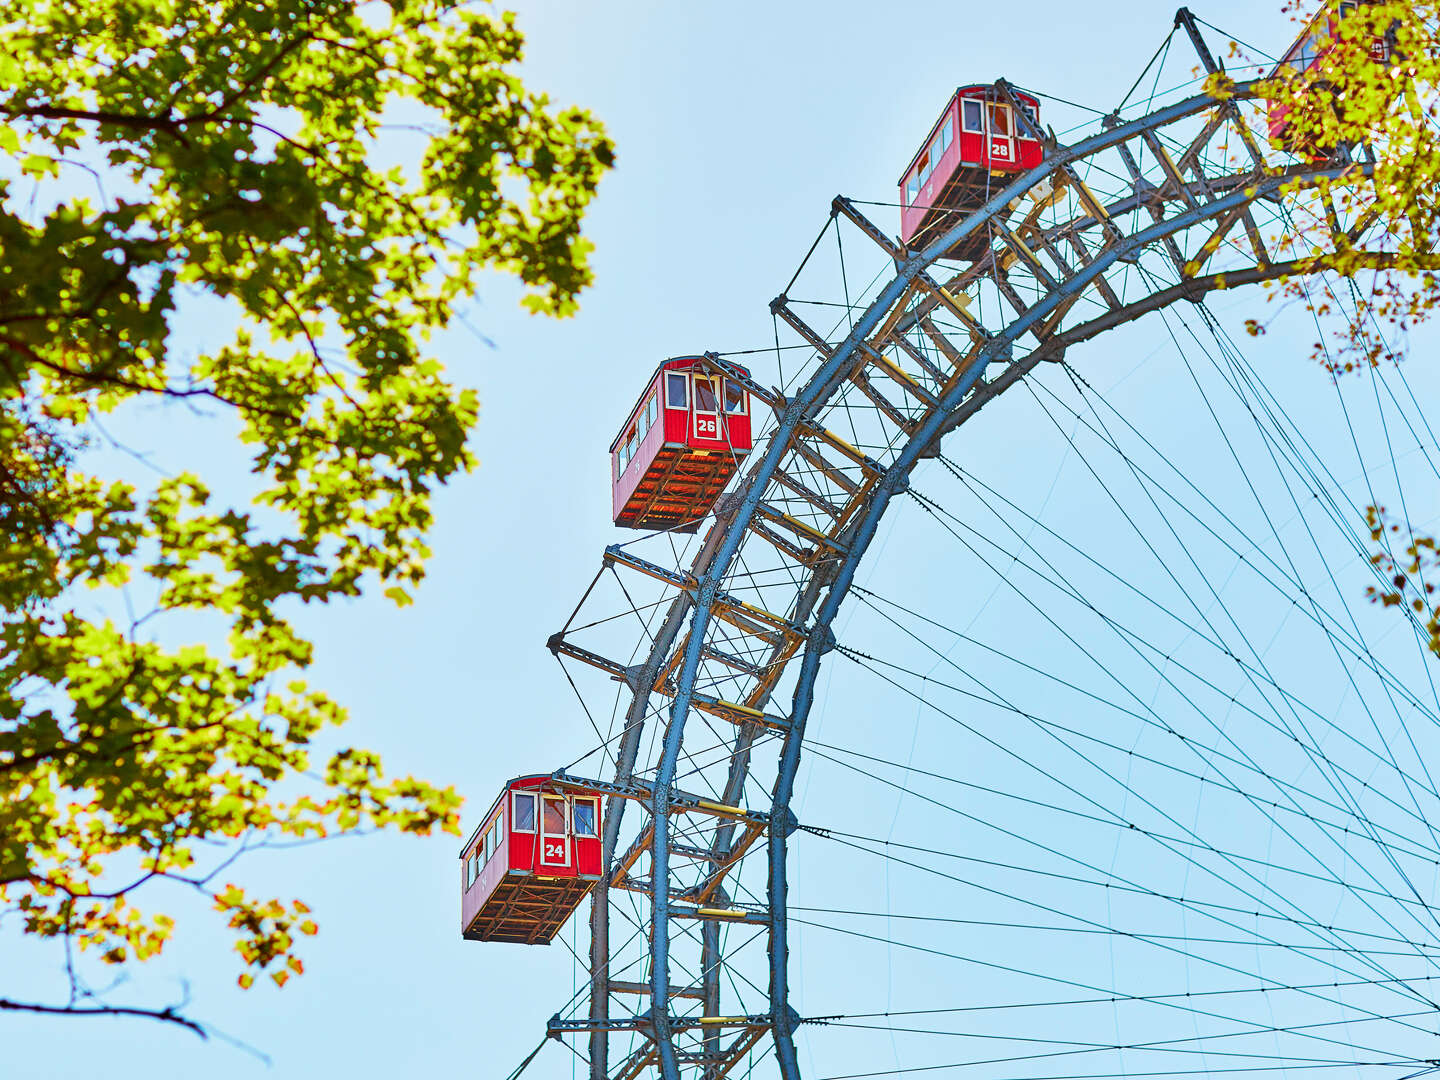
x=675, y=396
x=922, y=170
x=734, y=399
x=524, y=812
x=972, y=116
x=554, y=824
x=1033, y=114
x=652, y=410
x=1000, y=120
x=585, y=817
x=942, y=140
x=912, y=189
x=705, y=394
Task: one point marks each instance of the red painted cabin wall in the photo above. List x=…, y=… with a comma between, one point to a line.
x=519, y=851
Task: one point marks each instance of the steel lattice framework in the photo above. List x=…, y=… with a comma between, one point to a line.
x=1149, y=211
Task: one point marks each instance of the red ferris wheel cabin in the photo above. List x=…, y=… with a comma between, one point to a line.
x=679, y=447
x=977, y=138
x=535, y=856
x=1311, y=54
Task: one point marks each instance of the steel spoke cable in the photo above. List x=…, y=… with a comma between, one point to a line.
x=1062, y=583
x=1125, y=883
x=1128, y=826
x=1175, y=1045
x=1130, y=1074
x=1299, y=949
x=1335, y=584
x=1311, y=924
x=1357, y=648
x=1304, y=990
x=969, y=481
x=1310, y=746
x=1431, y=857
x=1158, y=720
x=1051, y=928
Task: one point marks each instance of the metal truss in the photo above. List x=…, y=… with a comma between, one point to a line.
x=1148, y=211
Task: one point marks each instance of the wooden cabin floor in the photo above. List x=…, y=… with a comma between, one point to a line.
x=966, y=192
x=678, y=489
x=526, y=909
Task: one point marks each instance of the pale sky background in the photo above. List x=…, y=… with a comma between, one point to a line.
x=736, y=124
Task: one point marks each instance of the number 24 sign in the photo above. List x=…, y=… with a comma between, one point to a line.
x=555, y=850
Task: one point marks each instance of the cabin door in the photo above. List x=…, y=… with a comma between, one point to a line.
x=554, y=838
x=1001, y=135
x=706, y=414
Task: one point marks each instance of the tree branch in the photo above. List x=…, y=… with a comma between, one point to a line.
x=167, y=1015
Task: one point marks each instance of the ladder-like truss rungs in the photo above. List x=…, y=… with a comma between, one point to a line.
x=738, y=714
x=902, y=378
x=798, y=527
x=827, y=469
x=640, y=989
x=687, y=582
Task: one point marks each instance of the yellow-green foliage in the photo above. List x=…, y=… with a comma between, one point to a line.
x=1387, y=113
x=231, y=147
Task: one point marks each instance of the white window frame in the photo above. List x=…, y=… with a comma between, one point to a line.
x=684, y=383
x=1033, y=113
x=966, y=128
x=717, y=387
x=563, y=835
x=515, y=797
x=991, y=133
x=744, y=409
x=594, y=805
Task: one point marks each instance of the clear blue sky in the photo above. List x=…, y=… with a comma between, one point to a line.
x=736, y=124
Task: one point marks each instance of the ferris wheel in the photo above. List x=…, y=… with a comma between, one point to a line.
x=1047, y=747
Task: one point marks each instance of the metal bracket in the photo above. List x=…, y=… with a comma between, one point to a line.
x=783, y=824
x=727, y=504
x=826, y=639
x=634, y=677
